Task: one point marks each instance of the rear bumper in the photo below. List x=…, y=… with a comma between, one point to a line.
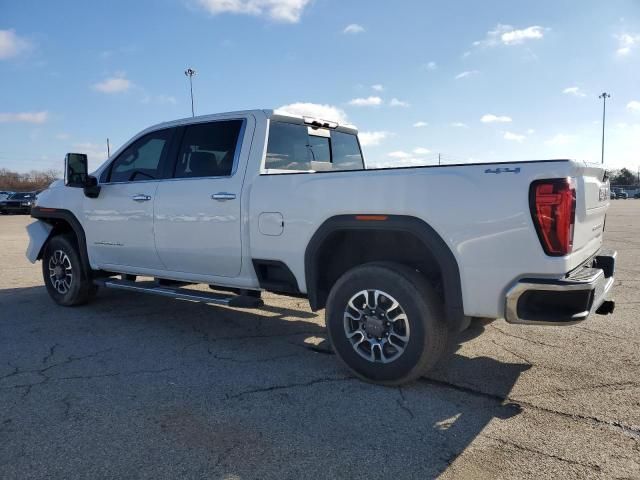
x=563, y=301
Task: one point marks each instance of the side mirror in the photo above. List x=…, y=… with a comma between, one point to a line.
x=76, y=174
x=75, y=170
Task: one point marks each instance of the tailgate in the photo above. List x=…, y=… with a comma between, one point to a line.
x=592, y=202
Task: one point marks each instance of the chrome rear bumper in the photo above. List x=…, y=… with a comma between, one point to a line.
x=563, y=301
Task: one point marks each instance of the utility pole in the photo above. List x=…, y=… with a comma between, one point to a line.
x=603, y=96
x=438, y=159
x=108, y=148
x=190, y=72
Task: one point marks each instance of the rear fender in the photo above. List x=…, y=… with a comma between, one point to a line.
x=39, y=233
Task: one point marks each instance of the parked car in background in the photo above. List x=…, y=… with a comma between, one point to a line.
x=613, y=195
x=19, y=202
x=636, y=195
x=4, y=195
x=622, y=195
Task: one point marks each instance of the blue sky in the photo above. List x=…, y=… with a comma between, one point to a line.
x=474, y=81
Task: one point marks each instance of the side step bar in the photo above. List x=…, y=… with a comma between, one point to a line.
x=152, y=287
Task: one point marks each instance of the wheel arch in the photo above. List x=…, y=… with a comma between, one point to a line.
x=358, y=239
x=63, y=221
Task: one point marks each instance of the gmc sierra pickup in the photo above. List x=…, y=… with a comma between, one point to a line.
x=255, y=200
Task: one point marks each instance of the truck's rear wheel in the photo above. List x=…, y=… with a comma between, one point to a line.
x=386, y=323
x=65, y=277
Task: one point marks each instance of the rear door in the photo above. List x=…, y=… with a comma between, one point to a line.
x=198, y=212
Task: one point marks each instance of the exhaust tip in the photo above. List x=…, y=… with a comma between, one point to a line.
x=606, y=308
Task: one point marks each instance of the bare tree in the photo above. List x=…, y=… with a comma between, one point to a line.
x=34, y=180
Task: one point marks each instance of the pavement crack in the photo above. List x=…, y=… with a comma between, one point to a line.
x=586, y=388
x=402, y=403
x=628, y=430
x=112, y=374
x=290, y=385
x=517, y=355
x=501, y=441
x=52, y=351
x=218, y=356
x=536, y=342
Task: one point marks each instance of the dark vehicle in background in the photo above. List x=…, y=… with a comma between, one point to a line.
x=613, y=195
x=20, y=202
x=636, y=195
x=622, y=195
x=4, y=195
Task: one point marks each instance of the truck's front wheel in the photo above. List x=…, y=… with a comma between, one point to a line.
x=385, y=323
x=67, y=281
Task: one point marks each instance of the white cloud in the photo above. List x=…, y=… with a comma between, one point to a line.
x=575, y=91
x=353, y=29
x=490, y=118
x=399, y=154
x=466, y=74
x=12, y=45
x=459, y=125
x=316, y=110
x=626, y=43
x=398, y=103
x=431, y=66
x=365, y=102
x=26, y=117
x=161, y=99
x=97, y=153
x=420, y=124
x=63, y=136
x=377, y=87
x=530, y=131
x=560, y=139
x=633, y=106
x=514, y=137
x=372, y=139
x=421, y=151
x=116, y=84
x=507, y=35
x=287, y=11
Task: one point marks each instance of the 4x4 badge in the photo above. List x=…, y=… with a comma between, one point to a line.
x=503, y=170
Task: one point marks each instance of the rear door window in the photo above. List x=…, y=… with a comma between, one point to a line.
x=208, y=149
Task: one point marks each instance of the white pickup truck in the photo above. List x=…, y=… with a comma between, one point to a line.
x=253, y=200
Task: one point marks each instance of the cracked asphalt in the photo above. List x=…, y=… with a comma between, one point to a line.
x=134, y=386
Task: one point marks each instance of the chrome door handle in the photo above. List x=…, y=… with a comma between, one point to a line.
x=141, y=198
x=223, y=196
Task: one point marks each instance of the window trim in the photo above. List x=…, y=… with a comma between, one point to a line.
x=106, y=172
x=171, y=173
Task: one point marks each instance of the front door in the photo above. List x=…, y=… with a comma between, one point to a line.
x=198, y=213
x=119, y=223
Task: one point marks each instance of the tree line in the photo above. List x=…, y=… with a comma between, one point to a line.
x=35, y=180
x=623, y=177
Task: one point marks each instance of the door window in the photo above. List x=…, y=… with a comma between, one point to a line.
x=142, y=159
x=208, y=149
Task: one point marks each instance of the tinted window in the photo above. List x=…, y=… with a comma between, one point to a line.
x=141, y=160
x=208, y=149
x=346, y=152
x=298, y=147
x=287, y=148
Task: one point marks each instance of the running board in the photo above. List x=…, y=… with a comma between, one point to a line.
x=239, y=301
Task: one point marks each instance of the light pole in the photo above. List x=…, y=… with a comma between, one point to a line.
x=190, y=72
x=603, y=96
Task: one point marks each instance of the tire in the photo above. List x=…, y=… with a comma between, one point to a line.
x=423, y=323
x=67, y=280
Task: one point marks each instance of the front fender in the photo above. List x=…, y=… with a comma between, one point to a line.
x=39, y=232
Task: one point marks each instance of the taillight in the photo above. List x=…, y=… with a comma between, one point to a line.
x=553, y=208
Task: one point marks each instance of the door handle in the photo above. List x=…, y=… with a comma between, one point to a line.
x=221, y=196
x=141, y=198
